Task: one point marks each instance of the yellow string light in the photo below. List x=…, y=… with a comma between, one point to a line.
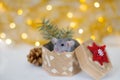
x=100, y=19
x=96, y=4
x=8, y=41
x=49, y=7
x=80, y=31
x=37, y=43
x=69, y=15
x=2, y=8
x=72, y=24
x=83, y=7
x=12, y=25
x=93, y=37
x=34, y=14
x=1, y=4
x=3, y=35
x=82, y=1
x=24, y=36
x=29, y=21
x=20, y=12
x=109, y=29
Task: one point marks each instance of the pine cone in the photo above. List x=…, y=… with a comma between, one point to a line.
x=35, y=56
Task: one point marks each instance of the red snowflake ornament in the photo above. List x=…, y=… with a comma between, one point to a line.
x=99, y=53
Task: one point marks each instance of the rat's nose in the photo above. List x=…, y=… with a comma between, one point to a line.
x=56, y=49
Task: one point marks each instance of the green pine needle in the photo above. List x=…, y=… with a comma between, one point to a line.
x=49, y=30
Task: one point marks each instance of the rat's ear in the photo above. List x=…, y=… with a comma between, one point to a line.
x=54, y=40
x=70, y=43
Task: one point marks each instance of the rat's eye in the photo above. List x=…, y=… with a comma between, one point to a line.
x=62, y=44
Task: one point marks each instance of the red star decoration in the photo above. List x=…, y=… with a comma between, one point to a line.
x=99, y=53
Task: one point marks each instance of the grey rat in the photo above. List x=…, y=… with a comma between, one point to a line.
x=64, y=45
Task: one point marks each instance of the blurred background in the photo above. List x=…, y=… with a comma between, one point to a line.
x=95, y=19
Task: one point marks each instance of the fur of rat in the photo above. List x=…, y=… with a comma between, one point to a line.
x=64, y=45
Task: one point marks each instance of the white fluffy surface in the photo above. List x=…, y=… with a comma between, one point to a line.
x=14, y=65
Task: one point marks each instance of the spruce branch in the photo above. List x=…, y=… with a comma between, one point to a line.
x=49, y=30
x=66, y=33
